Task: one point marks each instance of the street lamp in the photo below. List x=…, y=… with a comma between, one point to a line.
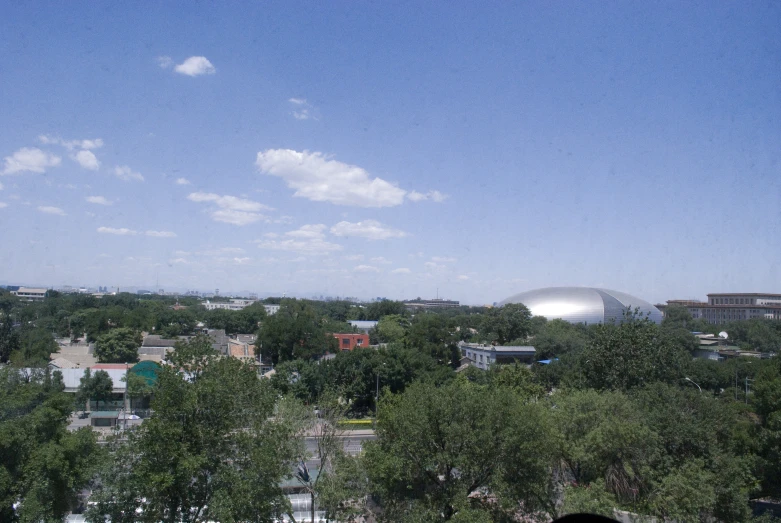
x=691, y=380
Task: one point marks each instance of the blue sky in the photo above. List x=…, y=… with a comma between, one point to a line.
x=375, y=149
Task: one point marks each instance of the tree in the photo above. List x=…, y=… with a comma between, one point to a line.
x=443, y=452
x=508, y=323
x=9, y=337
x=36, y=344
x=558, y=337
x=211, y=451
x=630, y=354
x=295, y=331
x=118, y=346
x=392, y=328
x=43, y=466
x=97, y=387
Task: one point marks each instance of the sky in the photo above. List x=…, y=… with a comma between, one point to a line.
x=466, y=150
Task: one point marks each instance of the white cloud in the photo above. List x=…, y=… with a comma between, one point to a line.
x=366, y=268
x=440, y=259
x=434, y=266
x=317, y=178
x=435, y=196
x=236, y=217
x=127, y=174
x=306, y=246
x=401, y=270
x=370, y=229
x=3, y=205
x=228, y=202
x=161, y=234
x=119, y=232
x=271, y=235
x=182, y=181
x=242, y=261
x=302, y=110
x=231, y=209
x=462, y=277
x=30, y=159
x=178, y=261
x=354, y=257
x=47, y=209
x=308, y=231
x=100, y=200
x=87, y=159
x=95, y=143
x=195, y=66
x=164, y=62
x=380, y=259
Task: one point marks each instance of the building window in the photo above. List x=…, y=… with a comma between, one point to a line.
x=346, y=341
x=359, y=341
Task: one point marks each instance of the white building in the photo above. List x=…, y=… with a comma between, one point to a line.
x=232, y=305
x=30, y=293
x=271, y=309
x=483, y=356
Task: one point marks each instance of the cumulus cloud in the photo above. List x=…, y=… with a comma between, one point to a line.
x=127, y=174
x=100, y=200
x=231, y=209
x=370, y=229
x=30, y=159
x=366, y=268
x=380, y=259
x=182, y=181
x=318, y=178
x=313, y=246
x=47, y=209
x=354, y=257
x=95, y=143
x=165, y=62
x=195, y=66
x=87, y=159
x=462, y=277
x=435, y=196
x=3, y=205
x=119, y=232
x=401, y=270
x=308, y=231
x=161, y=234
x=434, y=266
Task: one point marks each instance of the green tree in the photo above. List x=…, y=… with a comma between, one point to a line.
x=508, y=323
x=392, y=328
x=445, y=451
x=558, y=337
x=211, y=450
x=43, y=466
x=295, y=331
x=9, y=337
x=118, y=346
x=94, y=387
x=631, y=354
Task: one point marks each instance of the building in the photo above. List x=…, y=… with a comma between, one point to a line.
x=727, y=307
x=30, y=293
x=436, y=303
x=351, y=341
x=483, y=356
x=271, y=309
x=232, y=305
x=363, y=325
x=583, y=304
x=242, y=350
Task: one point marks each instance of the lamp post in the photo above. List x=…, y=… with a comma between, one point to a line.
x=692, y=381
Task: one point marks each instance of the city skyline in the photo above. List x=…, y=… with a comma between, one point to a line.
x=473, y=152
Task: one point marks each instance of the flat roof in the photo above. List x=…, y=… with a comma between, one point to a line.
x=104, y=414
x=744, y=294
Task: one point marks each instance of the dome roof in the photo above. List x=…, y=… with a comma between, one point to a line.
x=582, y=304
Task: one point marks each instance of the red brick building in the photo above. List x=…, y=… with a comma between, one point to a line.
x=351, y=341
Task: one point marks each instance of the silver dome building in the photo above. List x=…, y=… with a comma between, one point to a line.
x=583, y=304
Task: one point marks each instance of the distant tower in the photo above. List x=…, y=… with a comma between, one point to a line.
x=216, y=292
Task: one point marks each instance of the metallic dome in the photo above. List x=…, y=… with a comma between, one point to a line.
x=582, y=304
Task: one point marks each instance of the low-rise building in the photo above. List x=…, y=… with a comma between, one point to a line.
x=30, y=293
x=483, y=356
x=271, y=309
x=436, y=303
x=350, y=341
x=232, y=305
x=363, y=325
